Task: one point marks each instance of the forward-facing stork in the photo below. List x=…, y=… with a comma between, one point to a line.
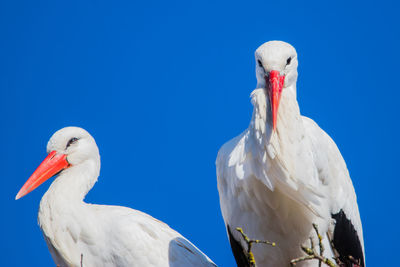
x=284, y=173
x=84, y=234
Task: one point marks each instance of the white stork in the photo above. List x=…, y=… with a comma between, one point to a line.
x=84, y=234
x=284, y=173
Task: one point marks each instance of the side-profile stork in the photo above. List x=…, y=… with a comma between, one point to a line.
x=284, y=173
x=81, y=234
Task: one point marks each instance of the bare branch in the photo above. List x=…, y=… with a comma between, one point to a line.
x=250, y=242
x=312, y=255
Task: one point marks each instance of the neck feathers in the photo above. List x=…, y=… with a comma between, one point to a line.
x=259, y=121
x=75, y=182
x=283, y=144
x=288, y=114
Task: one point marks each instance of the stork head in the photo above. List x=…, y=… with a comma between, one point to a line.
x=276, y=69
x=67, y=148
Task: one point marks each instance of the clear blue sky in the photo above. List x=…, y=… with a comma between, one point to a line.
x=161, y=85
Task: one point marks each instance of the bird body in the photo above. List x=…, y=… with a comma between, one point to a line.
x=78, y=233
x=284, y=173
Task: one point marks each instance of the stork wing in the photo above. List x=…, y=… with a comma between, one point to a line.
x=157, y=239
x=121, y=236
x=347, y=232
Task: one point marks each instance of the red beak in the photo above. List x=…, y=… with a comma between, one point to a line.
x=51, y=165
x=275, y=83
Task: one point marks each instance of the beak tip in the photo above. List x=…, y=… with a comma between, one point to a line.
x=19, y=195
x=274, y=119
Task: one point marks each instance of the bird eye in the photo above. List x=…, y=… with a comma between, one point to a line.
x=288, y=60
x=71, y=141
x=259, y=63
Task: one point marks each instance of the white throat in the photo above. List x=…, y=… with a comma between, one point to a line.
x=261, y=122
x=75, y=182
x=68, y=191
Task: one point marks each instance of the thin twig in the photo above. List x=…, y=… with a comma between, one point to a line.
x=335, y=252
x=321, y=246
x=354, y=261
x=312, y=255
x=250, y=242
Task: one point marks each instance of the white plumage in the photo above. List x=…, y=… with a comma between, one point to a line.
x=99, y=235
x=281, y=175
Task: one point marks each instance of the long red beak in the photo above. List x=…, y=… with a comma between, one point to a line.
x=51, y=165
x=275, y=83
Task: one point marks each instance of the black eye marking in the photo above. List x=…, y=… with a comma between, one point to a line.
x=71, y=141
x=259, y=63
x=288, y=60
